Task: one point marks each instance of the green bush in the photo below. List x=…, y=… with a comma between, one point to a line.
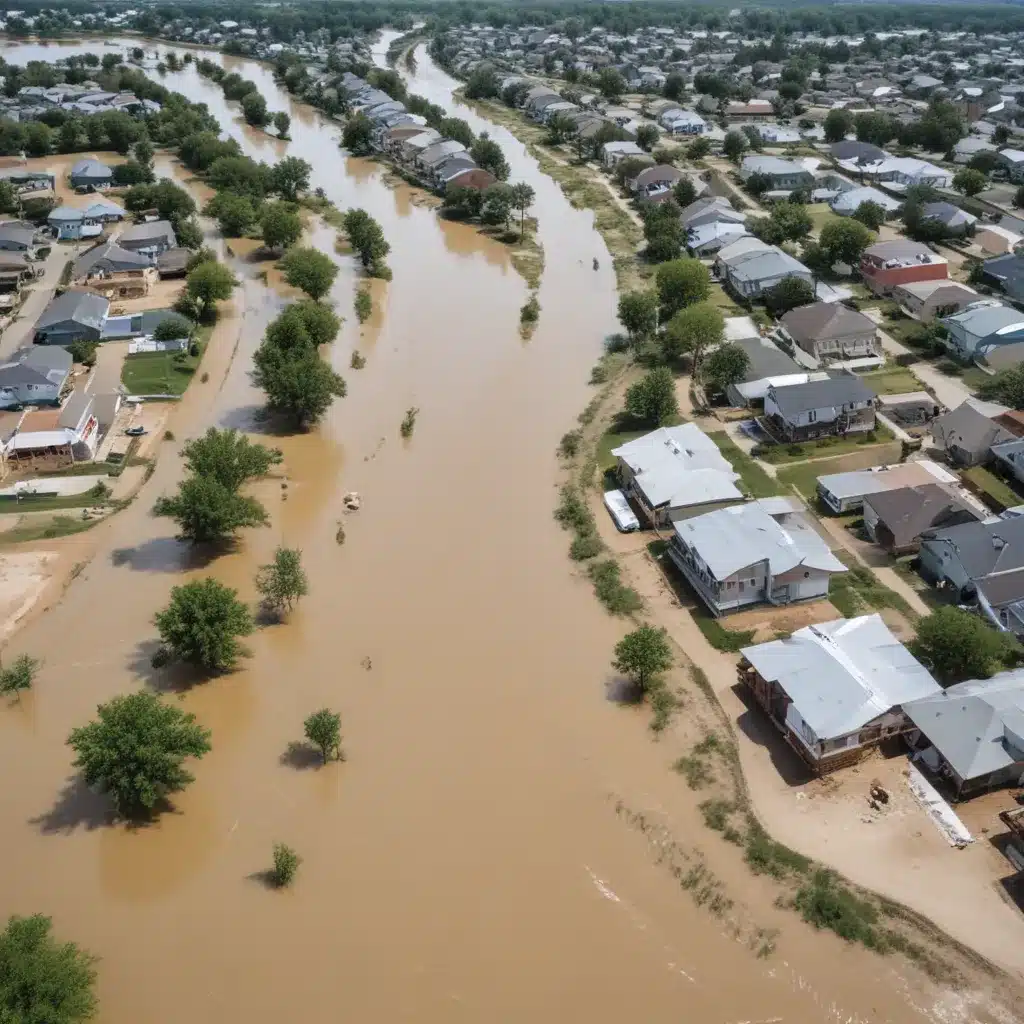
x=826, y=903
x=584, y=546
x=611, y=591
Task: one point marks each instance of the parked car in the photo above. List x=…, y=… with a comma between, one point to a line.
x=135, y=431
x=622, y=515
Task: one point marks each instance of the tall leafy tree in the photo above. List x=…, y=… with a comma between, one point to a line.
x=682, y=283
x=202, y=625
x=643, y=655
x=955, y=645
x=652, y=400
x=229, y=457
x=309, y=270
x=207, y=512
x=135, y=751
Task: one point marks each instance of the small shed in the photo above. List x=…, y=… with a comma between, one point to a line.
x=911, y=407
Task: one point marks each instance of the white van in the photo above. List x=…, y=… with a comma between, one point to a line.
x=621, y=513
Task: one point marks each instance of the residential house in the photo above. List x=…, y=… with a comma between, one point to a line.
x=900, y=172
x=767, y=365
x=849, y=202
x=676, y=472
x=106, y=259
x=173, y=263
x=856, y=153
x=783, y=174
x=16, y=236
x=654, y=180
x=474, y=177
x=830, y=331
x=838, y=405
x=707, y=239
x=1007, y=274
x=764, y=551
x=35, y=376
x=931, y=300
x=753, y=272
x=437, y=154
x=1013, y=162
x=887, y=265
x=966, y=434
x=967, y=149
x=104, y=211
x=682, y=122
x=89, y=175
x=150, y=238
x=971, y=735
x=847, y=492
x=957, y=222
x=964, y=557
x=837, y=689
x=73, y=316
x=78, y=419
x=69, y=224
x=980, y=327
x=751, y=110
x=895, y=519
x=613, y=153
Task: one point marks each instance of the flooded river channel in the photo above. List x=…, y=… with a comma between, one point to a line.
x=467, y=862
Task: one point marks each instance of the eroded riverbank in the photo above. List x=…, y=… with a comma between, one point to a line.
x=471, y=857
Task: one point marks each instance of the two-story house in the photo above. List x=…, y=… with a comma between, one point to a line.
x=985, y=325
x=762, y=552
x=831, y=331
x=783, y=174
x=838, y=405
x=887, y=265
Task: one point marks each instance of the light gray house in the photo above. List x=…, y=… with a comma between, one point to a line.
x=837, y=405
x=952, y=218
x=750, y=274
x=17, y=236
x=835, y=690
x=70, y=317
x=972, y=734
x=830, y=331
x=90, y=174
x=964, y=557
x=847, y=492
x=1010, y=456
x=968, y=432
x=981, y=326
x=928, y=300
x=35, y=376
x=150, y=238
x=783, y=174
x=677, y=472
x=761, y=552
x=108, y=258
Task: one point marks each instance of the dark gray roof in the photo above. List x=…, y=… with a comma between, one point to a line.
x=14, y=374
x=821, y=394
x=825, y=320
x=108, y=256
x=46, y=359
x=909, y=511
x=766, y=360
x=137, y=236
x=863, y=152
x=18, y=231
x=90, y=168
x=1006, y=588
x=968, y=428
x=984, y=548
x=82, y=307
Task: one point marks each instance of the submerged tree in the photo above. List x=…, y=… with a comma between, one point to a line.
x=229, y=457
x=208, y=512
x=283, y=581
x=323, y=730
x=643, y=655
x=203, y=623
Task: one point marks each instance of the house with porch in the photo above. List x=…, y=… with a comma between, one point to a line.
x=830, y=330
x=836, y=405
x=837, y=689
x=764, y=551
x=980, y=327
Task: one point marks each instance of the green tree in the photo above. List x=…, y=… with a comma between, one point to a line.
x=843, y=240
x=647, y=136
x=282, y=582
x=309, y=270
x=254, y=110
x=674, y=87
x=366, y=237
x=171, y=328
x=611, y=84
x=482, y=83
x=209, y=282
x=699, y=148
x=560, y=127
x=43, y=981
x=319, y=322
x=1001, y=136
x=286, y=864
x=323, y=730
x=299, y=385
x=838, y=124
x=202, y=624
x=280, y=225
x=497, y=205
x=684, y=192
x=1007, y=387
x=727, y=365
x=522, y=196
x=131, y=172
x=229, y=457
x=955, y=645
x=652, y=401
x=207, y=512
x=289, y=177
x=682, y=283
x=357, y=136
x=691, y=331
x=789, y=293
x=643, y=655
x=970, y=182
x=18, y=676
x=283, y=124
x=638, y=314
x=234, y=213
x=735, y=145
x=84, y=351
x=135, y=750
x=874, y=127
x=488, y=155
x=870, y=214
x=38, y=139
x=456, y=129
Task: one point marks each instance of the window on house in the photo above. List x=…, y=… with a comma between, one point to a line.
x=812, y=416
x=741, y=586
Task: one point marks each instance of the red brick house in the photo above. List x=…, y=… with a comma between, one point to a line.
x=887, y=265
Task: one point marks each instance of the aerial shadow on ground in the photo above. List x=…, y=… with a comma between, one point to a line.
x=254, y=419
x=77, y=806
x=1011, y=885
x=165, y=554
x=620, y=690
x=754, y=724
x=170, y=677
x=301, y=756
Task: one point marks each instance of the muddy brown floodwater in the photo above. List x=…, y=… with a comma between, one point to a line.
x=466, y=862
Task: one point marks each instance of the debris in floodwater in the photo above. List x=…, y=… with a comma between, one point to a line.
x=352, y=501
x=339, y=537
x=367, y=664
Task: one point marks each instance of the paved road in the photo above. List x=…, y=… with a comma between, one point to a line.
x=37, y=295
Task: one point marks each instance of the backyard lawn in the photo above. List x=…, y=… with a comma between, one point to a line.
x=804, y=476
x=757, y=482
x=781, y=454
x=163, y=373
x=991, y=488
x=893, y=380
x=821, y=214
x=612, y=439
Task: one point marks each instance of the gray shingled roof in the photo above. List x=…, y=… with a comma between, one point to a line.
x=909, y=511
x=826, y=320
x=821, y=394
x=81, y=307
x=985, y=548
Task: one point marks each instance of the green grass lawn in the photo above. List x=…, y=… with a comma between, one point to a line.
x=720, y=297
x=782, y=454
x=821, y=214
x=974, y=377
x=612, y=439
x=163, y=373
x=10, y=506
x=991, y=488
x=757, y=482
x=804, y=477
x=893, y=380
x=43, y=528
